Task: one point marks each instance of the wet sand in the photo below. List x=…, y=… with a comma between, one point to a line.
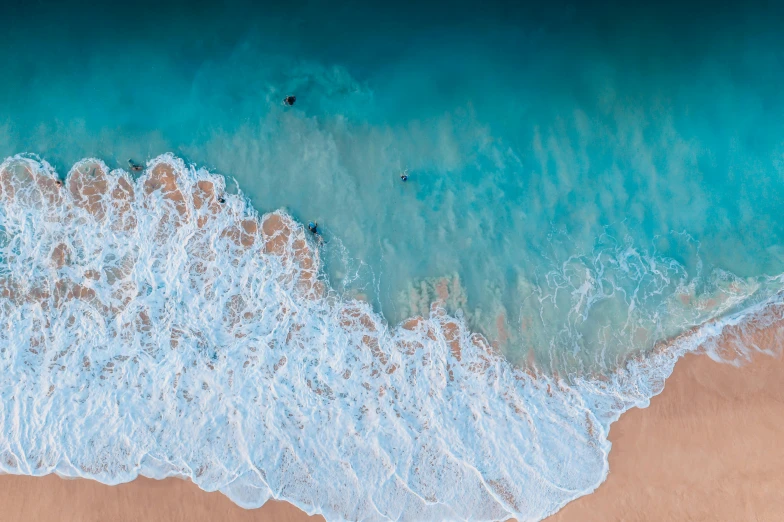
x=31, y=499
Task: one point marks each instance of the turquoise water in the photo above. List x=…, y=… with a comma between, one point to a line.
x=585, y=182
x=531, y=135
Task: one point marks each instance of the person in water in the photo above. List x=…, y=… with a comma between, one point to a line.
x=313, y=227
x=404, y=175
x=221, y=201
x=289, y=100
x=134, y=167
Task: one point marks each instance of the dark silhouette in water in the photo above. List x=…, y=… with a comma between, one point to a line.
x=404, y=175
x=313, y=227
x=289, y=100
x=221, y=200
x=134, y=166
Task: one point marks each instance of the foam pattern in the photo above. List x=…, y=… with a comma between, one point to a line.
x=158, y=326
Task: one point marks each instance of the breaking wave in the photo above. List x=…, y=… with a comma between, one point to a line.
x=159, y=326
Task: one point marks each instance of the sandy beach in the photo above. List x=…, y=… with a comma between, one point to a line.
x=25, y=498
x=707, y=448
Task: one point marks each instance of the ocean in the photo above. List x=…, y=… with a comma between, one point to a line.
x=592, y=191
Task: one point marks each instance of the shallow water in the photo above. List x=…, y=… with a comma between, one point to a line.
x=532, y=135
x=584, y=183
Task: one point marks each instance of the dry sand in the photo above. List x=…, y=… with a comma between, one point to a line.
x=708, y=448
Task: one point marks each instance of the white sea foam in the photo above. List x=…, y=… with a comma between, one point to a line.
x=150, y=329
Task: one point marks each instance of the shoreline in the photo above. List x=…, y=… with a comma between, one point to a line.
x=705, y=449
x=198, y=203
x=51, y=497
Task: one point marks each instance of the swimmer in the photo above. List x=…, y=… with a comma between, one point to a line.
x=404, y=175
x=58, y=183
x=313, y=227
x=134, y=166
x=221, y=201
x=289, y=100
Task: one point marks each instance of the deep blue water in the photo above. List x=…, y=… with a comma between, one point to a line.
x=631, y=152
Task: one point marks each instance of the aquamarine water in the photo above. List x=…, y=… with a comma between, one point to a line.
x=584, y=184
